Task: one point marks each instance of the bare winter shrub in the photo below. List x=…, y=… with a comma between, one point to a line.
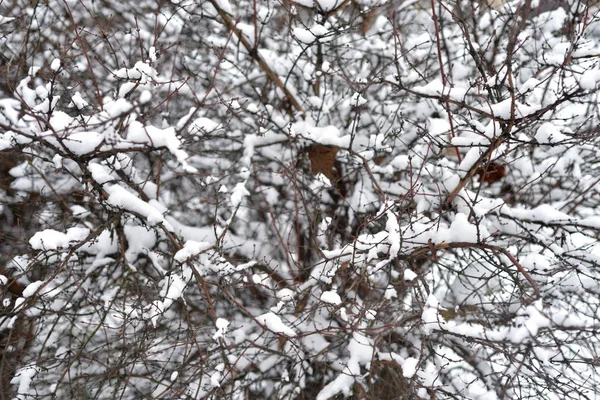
x=300, y=199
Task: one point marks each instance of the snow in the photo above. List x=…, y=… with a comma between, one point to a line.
x=438, y=126
x=393, y=229
x=532, y=325
x=238, y=193
x=436, y=88
x=361, y=352
x=530, y=84
x=409, y=275
x=191, y=249
x=461, y=230
x=4, y=20
x=548, y=133
x=55, y=66
x=215, y=378
x=82, y=143
x=275, y=324
x=409, y=367
x=50, y=239
x=558, y=53
x=59, y=121
x=390, y=293
x=154, y=137
x=592, y=222
x=140, y=240
x=321, y=181
x=100, y=173
x=401, y=162
x=325, y=5
x=504, y=109
x=222, y=325
x=331, y=297
x=24, y=377
x=173, y=288
x=432, y=320
x=26, y=93
x=122, y=198
x=225, y=6
x=544, y=213
x=78, y=102
x=153, y=54
x=469, y=160
x=264, y=15
x=326, y=135
x=319, y=30
x=305, y=3
x=536, y=262
x=358, y=100
x=304, y=35
x=32, y=288
x=148, y=179
x=531, y=320
x=285, y=294
x=117, y=108
x=9, y=110
x=141, y=72
x=145, y=96
x=203, y=125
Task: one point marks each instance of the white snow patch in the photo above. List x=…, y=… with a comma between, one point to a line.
x=55, y=66
x=78, y=101
x=436, y=88
x=331, y=297
x=393, y=229
x=23, y=377
x=238, y=194
x=432, y=320
x=548, y=133
x=225, y=6
x=32, y=288
x=274, y=323
x=50, y=239
x=190, y=249
x=361, y=352
x=304, y=35
x=154, y=137
x=121, y=198
x=589, y=79
x=504, y=109
x=358, y=100
x=409, y=275
x=222, y=324
x=544, y=213
x=326, y=135
x=203, y=125
x=81, y=143
x=409, y=367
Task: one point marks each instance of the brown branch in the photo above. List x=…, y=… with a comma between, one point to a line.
x=496, y=249
x=473, y=170
x=253, y=52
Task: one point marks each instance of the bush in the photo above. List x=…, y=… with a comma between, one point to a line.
x=299, y=200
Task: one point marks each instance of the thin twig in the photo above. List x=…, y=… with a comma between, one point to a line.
x=253, y=52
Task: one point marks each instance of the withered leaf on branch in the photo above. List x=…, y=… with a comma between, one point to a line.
x=322, y=160
x=491, y=172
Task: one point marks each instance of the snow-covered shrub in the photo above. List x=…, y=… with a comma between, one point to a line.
x=298, y=200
